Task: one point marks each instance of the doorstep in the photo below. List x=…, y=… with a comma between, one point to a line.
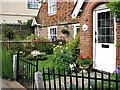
x=14, y=85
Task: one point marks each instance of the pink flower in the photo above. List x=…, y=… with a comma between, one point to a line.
x=69, y=81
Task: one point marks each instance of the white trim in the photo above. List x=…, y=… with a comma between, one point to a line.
x=49, y=36
x=94, y=46
x=75, y=29
x=77, y=8
x=75, y=1
x=34, y=23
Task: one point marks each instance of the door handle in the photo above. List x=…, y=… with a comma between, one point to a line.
x=105, y=46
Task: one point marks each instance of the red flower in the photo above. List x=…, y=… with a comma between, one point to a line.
x=81, y=56
x=88, y=56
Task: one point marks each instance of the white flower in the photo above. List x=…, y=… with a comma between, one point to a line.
x=35, y=53
x=72, y=66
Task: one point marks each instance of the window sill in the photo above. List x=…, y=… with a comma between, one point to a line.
x=50, y=14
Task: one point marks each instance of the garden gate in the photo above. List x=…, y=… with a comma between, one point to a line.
x=25, y=71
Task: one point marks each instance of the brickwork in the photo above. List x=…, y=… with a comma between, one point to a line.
x=118, y=44
x=63, y=16
x=86, y=38
x=70, y=27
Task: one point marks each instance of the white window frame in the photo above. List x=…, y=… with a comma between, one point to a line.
x=52, y=7
x=33, y=4
x=75, y=29
x=49, y=28
x=38, y=30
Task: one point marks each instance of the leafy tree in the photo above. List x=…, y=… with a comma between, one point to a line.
x=8, y=33
x=114, y=7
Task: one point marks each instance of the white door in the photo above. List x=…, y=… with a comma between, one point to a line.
x=105, y=38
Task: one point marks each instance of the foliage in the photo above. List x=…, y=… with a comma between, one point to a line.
x=84, y=61
x=8, y=33
x=29, y=22
x=40, y=44
x=35, y=55
x=74, y=46
x=6, y=64
x=63, y=56
x=114, y=7
x=60, y=40
x=65, y=31
x=18, y=47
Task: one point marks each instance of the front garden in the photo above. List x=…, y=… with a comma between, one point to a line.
x=59, y=55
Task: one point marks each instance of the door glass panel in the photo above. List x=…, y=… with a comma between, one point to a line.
x=105, y=28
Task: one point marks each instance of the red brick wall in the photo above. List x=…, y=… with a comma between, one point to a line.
x=118, y=46
x=62, y=19
x=62, y=16
x=86, y=38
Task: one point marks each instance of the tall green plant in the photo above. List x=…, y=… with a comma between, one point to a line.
x=6, y=64
x=63, y=57
x=74, y=46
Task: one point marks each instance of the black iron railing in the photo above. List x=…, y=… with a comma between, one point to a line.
x=55, y=79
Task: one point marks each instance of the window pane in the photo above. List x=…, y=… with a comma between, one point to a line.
x=101, y=31
x=33, y=4
x=105, y=28
x=109, y=39
x=52, y=6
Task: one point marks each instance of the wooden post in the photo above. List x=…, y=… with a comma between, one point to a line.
x=14, y=66
x=39, y=80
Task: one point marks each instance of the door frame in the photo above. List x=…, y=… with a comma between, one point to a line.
x=94, y=29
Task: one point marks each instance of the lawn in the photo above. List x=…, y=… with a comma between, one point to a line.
x=47, y=63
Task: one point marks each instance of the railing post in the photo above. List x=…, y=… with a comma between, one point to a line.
x=44, y=78
x=54, y=79
x=116, y=81
x=37, y=65
x=82, y=80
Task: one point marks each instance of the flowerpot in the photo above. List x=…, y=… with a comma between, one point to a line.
x=77, y=69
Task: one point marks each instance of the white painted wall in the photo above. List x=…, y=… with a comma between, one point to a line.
x=14, y=10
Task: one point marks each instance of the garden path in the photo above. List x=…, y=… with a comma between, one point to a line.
x=3, y=83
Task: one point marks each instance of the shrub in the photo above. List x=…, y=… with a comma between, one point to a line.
x=8, y=33
x=63, y=57
x=6, y=64
x=74, y=46
x=18, y=47
x=41, y=44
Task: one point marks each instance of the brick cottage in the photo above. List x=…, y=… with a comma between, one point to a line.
x=99, y=30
